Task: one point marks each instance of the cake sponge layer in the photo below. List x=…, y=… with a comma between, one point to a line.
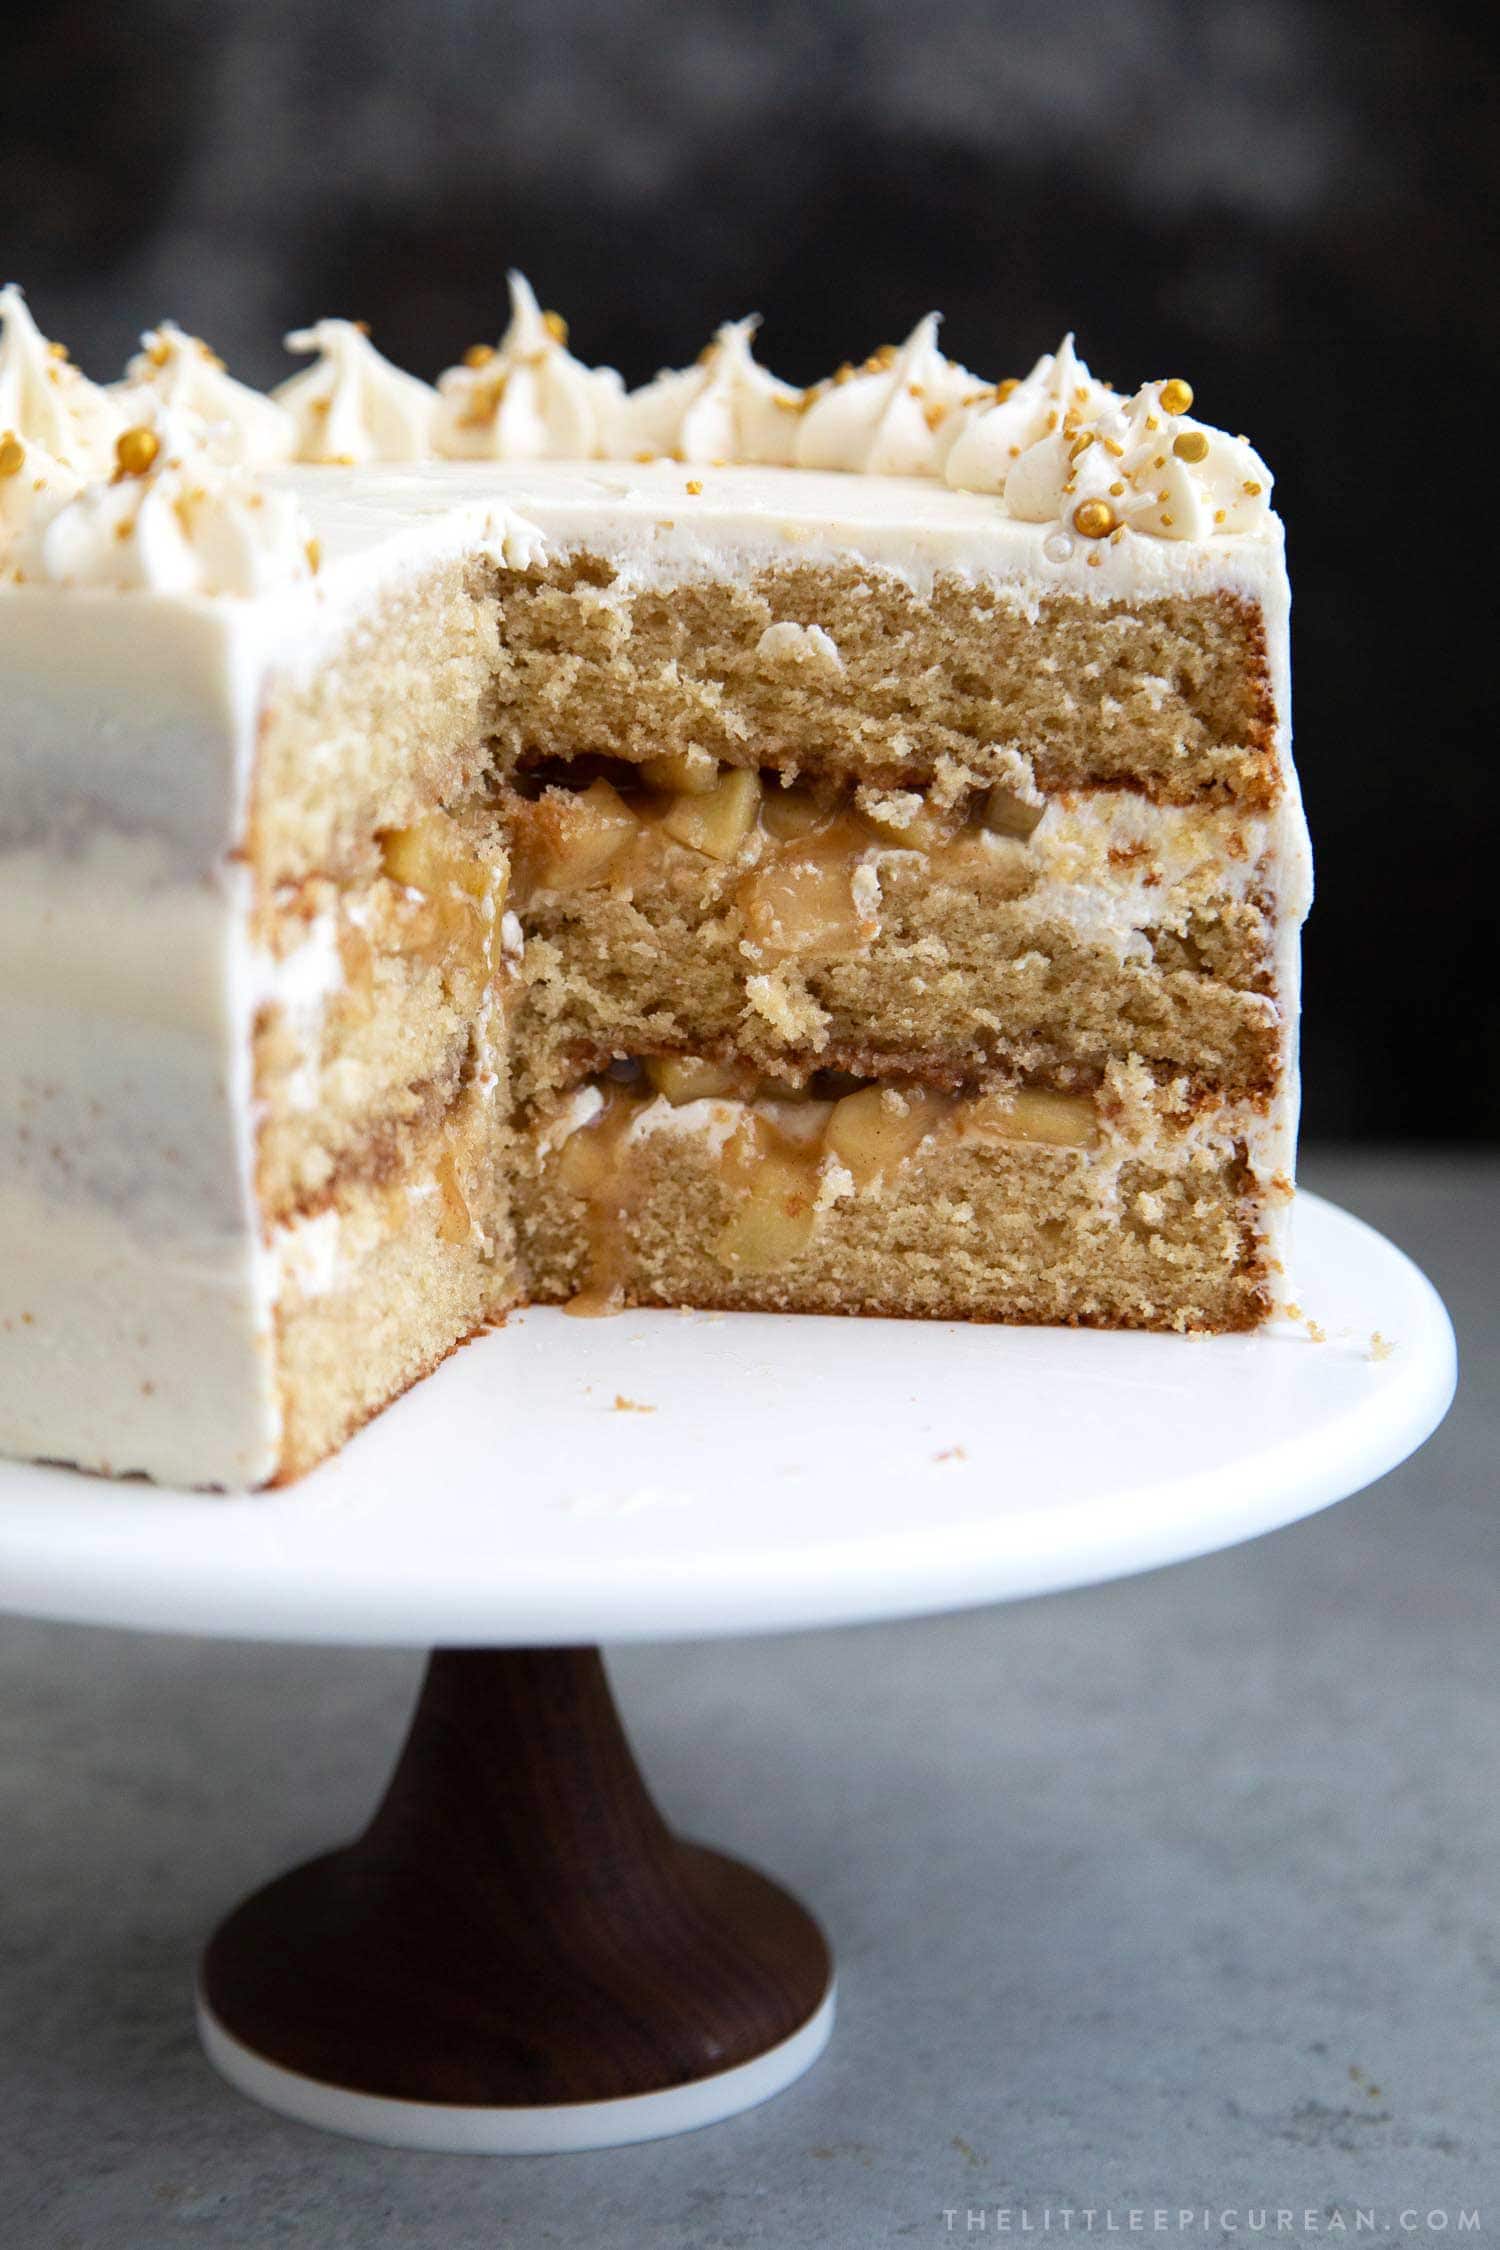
x=885, y=930
x=849, y=670
x=1017, y=1207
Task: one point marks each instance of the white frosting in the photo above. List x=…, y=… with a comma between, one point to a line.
x=891, y=417
x=44, y=400
x=353, y=406
x=180, y=371
x=1135, y=467
x=998, y=428
x=33, y=487
x=726, y=407
x=187, y=525
x=529, y=399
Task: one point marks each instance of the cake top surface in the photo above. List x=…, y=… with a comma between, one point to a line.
x=180, y=480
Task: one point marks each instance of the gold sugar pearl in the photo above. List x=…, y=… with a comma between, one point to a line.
x=12, y=455
x=1094, y=519
x=1175, y=395
x=135, y=450
x=1190, y=445
x=479, y=355
x=556, y=327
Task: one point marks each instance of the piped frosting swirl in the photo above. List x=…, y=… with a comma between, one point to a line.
x=172, y=519
x=44, y=400
x=725, y=407
x=243, y=425
x=527, y=398
x=352, y=406
x=894, y=416
x=1144, y=465
x=1004, y=422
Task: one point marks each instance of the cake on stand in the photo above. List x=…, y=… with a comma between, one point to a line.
x=518, y=1955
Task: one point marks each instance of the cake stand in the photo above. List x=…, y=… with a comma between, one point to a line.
x=518, y=1954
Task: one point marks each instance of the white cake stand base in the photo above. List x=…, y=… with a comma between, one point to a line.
x=537, y=2131
x=518, y=1954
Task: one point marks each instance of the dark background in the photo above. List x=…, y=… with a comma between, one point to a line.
x=1290, y=203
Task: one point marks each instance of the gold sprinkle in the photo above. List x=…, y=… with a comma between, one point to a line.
x=1251, y=487
x=1175, y=395
x=479, y=355
x=1094, y=558
x=124, y=527
x=363, y=326
x=1094, y=519
x=1080, y=445
x=314, y=555
x=1159, y=461
x=1220, y=516
x=556, y=327
x=1004, y=388
x=1113, y=445
x=934, y=414
x=12, y=455
x=694, y=486
x=1190, y=445
x=1116, y=489
x=58, y=351
x=1167, y=522
x=160, y=352
x=135, y=450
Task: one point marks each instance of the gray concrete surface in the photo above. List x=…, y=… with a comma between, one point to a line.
x=1176, y=1896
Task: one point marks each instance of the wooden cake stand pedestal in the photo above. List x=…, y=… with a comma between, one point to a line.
x=518, y=1955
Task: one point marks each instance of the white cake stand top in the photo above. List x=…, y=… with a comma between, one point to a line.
x=672, y=1474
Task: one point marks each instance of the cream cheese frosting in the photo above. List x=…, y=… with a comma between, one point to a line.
x=726, y=407
x=1003, y=423
x=44, y=400
x=352, y=405
x=171, y=520
x=1143, y=466
x=242, y=424
x=891, y=417
x=527, y=398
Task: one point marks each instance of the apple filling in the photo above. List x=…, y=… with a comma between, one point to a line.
x=794, y=857
x=781, y=1155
